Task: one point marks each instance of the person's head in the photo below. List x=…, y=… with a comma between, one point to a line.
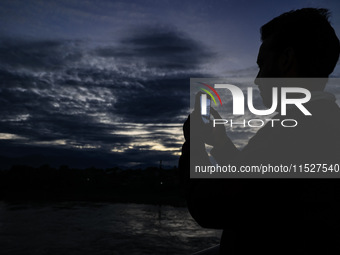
x=299, y=43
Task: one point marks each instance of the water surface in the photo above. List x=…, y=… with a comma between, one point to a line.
x=99, y=228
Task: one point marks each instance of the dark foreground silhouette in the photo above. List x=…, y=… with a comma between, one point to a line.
x=276, y=216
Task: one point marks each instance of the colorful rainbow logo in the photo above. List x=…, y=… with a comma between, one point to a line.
x=206, y=91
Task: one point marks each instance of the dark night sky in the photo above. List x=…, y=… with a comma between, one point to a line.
x=106, y=83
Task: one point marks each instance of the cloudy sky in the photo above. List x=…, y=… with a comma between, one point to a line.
x=106, y=83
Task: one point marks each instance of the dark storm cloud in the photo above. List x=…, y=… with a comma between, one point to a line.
x=160, y=99
x=162, y=47
x=157, y=101
x=71, y=95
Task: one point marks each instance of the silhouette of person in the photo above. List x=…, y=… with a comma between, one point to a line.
x=276, y=216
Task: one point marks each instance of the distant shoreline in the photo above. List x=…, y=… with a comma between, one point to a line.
x=142, y=186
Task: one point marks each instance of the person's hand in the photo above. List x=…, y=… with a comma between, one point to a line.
x=197, y=134
x=219, y=135
x=224, y=149
x=195, y=128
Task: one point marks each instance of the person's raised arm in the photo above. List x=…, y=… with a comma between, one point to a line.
x=210, y=201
